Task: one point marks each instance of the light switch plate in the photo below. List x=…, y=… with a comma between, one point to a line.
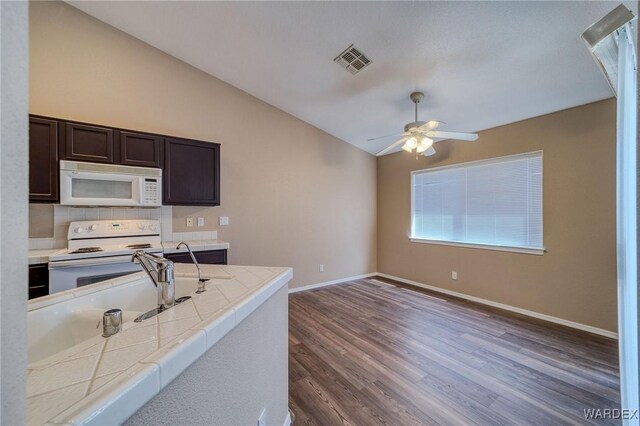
x=189, y=221
x=201, y=221
x=224, y=220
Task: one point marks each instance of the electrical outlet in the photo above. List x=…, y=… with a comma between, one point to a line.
x=201, y=221
x=454, y=275
x=224, y=220
x=189, y=221
x=262, y=420
x=321, y=268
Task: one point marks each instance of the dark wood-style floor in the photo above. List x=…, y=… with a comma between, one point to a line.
x=366, y=353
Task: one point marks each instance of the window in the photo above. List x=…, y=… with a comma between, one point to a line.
x=494, y=204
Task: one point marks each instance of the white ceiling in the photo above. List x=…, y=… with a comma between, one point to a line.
x=480, y=64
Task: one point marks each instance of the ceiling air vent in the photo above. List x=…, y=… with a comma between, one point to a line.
x=352, y=60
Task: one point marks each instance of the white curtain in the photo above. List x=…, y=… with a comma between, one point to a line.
x=627, y=221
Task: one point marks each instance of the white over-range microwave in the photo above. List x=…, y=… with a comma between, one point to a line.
x=92, y=184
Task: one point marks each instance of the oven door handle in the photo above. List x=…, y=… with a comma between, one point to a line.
x=92, y=261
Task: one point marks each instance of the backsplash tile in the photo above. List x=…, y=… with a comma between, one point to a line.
x=41, y=220
x=63, y=215
x=193, y=236
x=167, y=223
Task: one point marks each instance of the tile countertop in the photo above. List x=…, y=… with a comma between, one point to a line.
x=42, y=256
x=106, y=380
x=196, y=245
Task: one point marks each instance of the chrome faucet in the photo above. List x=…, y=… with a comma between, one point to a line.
x=201, y=281
x=160, y=270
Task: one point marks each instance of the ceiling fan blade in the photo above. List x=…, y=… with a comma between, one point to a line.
x=452, y=135
x=384, y=137
x=429, y=152
x=430, y=125
x=393, y=145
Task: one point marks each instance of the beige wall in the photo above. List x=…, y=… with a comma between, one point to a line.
x=576, y=278
x=295, y=195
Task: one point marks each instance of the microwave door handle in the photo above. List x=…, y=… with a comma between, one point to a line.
x=138, y=198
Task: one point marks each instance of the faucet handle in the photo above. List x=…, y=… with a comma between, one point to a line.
x=111, y=322
x=201, y=285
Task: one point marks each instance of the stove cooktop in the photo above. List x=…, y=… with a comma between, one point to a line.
x=105, y=252
x=86, y=250
x=109, y=238
x=139, y=246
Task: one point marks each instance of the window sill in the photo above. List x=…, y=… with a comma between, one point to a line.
x=521, y=250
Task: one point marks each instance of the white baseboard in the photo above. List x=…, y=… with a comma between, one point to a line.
x=576, y=325
x=332, y=282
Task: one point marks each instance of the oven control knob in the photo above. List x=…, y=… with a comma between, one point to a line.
x=78, y=230
x=153, y=228
x=142, y=227
x=92, y=227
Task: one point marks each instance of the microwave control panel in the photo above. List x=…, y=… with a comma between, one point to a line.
x=152, y=196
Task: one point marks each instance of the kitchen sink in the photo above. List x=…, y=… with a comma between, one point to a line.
x=77, y=317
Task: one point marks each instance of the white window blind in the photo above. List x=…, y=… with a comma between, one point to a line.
x=496, y=202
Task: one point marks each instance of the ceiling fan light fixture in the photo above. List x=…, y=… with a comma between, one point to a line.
x=410, y=144
x=419, y=136
x=424, y=144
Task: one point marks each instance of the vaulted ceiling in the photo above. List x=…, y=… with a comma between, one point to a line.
x=480, y=64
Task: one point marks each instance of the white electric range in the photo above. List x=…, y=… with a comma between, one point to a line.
x=99, y=250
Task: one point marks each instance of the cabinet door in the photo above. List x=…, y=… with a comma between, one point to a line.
x=191, y=174
x=38, y=280
x=209, y=257
x=139, y=149
x=89, y=143
x=43, y=159
x=212, y=257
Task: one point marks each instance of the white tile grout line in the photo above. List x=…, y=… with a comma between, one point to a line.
x=526, y=312
x=37, y=395
x=95, y=368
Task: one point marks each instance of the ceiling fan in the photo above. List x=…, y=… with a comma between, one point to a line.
x=419, y=136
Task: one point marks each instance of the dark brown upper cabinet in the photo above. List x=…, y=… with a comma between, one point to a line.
x=191, y=174
x=89, y=143
x=43, y=160
x=191, y=169
x=140, y=149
